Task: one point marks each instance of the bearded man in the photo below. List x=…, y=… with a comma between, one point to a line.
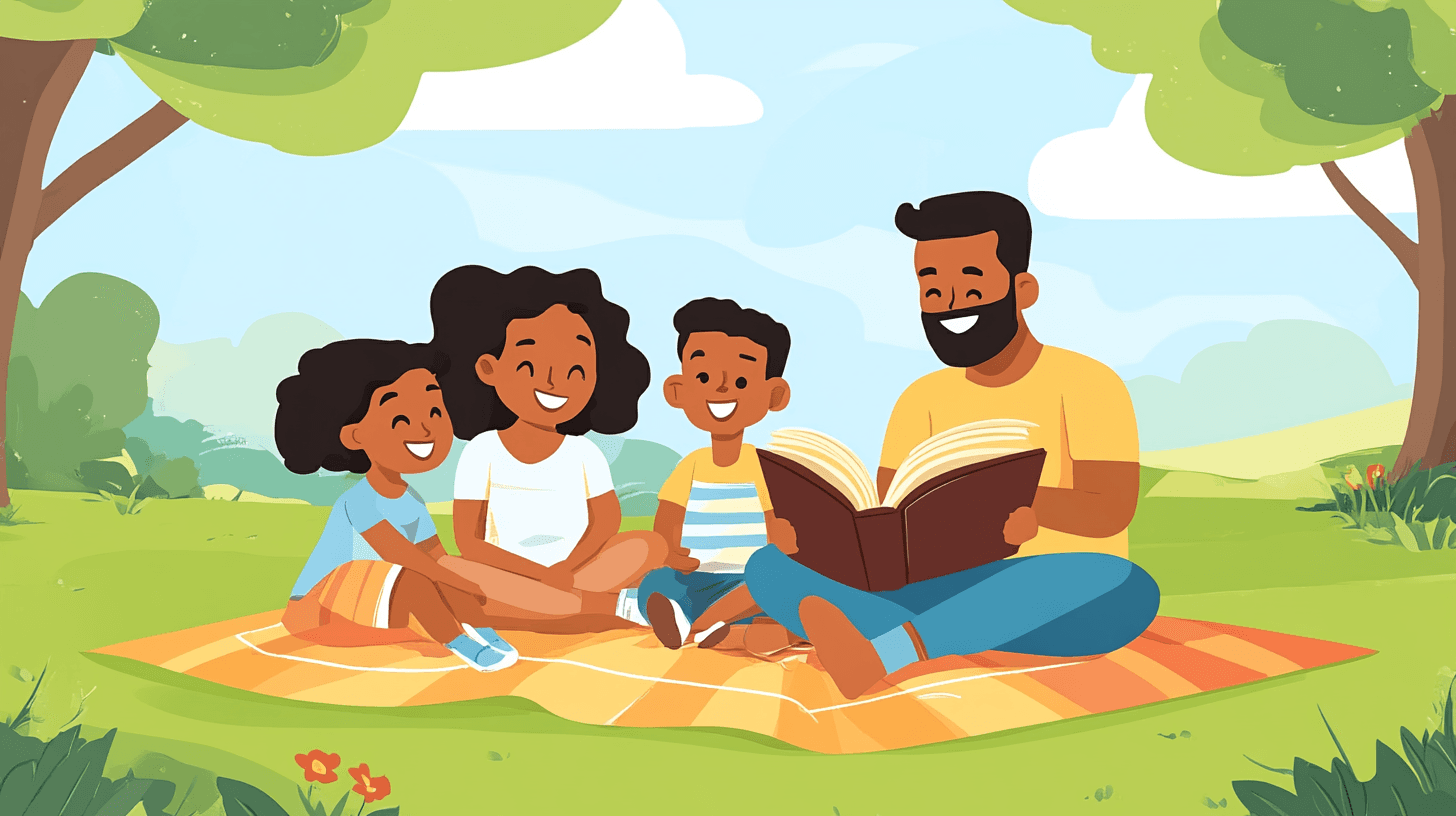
x=1070, y=591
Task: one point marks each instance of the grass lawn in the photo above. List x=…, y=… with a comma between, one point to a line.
x=82, y=576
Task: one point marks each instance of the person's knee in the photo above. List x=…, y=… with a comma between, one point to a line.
x=661, y=580
x=765, y=562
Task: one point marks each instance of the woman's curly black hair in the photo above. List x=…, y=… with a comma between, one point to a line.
x=471, y=306
x=331, y=390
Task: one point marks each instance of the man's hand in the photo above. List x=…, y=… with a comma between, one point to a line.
x=781, y=534
x=1021, y=527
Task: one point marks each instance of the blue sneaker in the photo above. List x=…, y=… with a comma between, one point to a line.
x=478, y=657
x=490, y=640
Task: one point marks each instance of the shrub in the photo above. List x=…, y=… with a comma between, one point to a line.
x=1415, y=512
x=1422, y=783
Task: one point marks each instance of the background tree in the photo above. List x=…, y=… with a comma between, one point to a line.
x=319, y=78
x=1254, y=87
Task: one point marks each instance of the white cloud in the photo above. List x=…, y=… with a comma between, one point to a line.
x=863, y=55
x=630, y=73
x=1119, y=172
x=869, y=266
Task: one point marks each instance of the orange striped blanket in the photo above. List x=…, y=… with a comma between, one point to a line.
x=626, y=678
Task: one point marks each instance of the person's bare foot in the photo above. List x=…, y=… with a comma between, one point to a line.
x=667, y=620
x=848, y=656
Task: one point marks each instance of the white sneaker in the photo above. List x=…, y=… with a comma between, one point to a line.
x=494, y=642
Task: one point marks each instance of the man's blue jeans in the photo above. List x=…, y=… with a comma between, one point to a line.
x=1056, y=605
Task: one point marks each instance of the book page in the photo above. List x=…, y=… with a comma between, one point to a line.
x=829, y=460
x=956, y=448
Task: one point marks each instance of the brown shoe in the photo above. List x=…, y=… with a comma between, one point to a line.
x=848, y=656
x=667, y=620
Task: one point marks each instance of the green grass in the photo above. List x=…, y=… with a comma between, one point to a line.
x=82, y=576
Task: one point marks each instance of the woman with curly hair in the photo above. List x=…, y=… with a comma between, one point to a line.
x=374, y=407
x=537, y=360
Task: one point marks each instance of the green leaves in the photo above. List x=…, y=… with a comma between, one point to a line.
x=242, y=799
x=260, y=35
x=1339, y=62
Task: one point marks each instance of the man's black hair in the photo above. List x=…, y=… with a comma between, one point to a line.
x=471, y=306
x=332, y=389
x=726, y=316
x=961, y=215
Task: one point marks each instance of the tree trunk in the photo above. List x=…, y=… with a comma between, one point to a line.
x=39, y=80
x=1430, y=437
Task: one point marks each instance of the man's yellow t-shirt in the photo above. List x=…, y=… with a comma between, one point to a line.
x=1081, y=408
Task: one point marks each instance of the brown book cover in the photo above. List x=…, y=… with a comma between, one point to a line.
x=952, y=522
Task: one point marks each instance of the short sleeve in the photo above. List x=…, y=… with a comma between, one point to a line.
x=1099, y=416
x=679, y=483
x=426, y=529
x=598, y=473
x=361, y=508
x=472, y=472
x=909, y=426
x=758, y=482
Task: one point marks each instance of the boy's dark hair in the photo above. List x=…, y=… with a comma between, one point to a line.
x=961, y=215
x=471, y=306
x=726, y=316
x=331, y=390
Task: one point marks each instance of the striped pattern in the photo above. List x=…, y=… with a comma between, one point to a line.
x=358, y=592
x=721, y=516
x=624, y=678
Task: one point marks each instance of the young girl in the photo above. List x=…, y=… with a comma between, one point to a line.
x=537, y=360
x=374, y=407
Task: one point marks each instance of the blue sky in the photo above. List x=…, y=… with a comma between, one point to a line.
x=864, y=105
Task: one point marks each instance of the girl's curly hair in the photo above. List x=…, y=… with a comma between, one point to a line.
x=471, y=306
x=331, y=390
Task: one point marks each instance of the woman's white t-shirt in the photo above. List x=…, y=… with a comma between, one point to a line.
x=535, y=511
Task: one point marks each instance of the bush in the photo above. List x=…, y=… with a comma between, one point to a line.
x=1422, y=783
x=1415, y=512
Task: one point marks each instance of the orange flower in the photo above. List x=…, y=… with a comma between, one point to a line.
x=1376, y=471
x=372, y=788
x=318, y=766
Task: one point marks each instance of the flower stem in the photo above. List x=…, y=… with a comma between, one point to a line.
x=361, y=807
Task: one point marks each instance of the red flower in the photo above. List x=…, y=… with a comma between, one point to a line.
x=1376, y=471
x=372, y=788
x=318, y=766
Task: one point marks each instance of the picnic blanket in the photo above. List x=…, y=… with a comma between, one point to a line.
x=626, y=678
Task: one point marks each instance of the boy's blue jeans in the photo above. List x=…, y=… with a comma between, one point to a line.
x=1056, y=605
x=693, y=591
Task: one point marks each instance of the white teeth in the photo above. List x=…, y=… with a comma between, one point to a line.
x=723, y=410
x=421, y=450
x=960, y=325
x=550, y=401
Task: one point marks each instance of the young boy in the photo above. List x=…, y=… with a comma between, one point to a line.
x=714, y=510
x=378, y=572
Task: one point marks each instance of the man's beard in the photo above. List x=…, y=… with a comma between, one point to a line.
x=992, y=330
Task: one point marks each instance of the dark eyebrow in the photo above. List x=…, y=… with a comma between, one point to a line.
x=432, y=387
x=583, y=338
x=972, y=270
x=387, y=397
x=929, y=270
x=695, y=355
x=749, y=358
x=527, y=342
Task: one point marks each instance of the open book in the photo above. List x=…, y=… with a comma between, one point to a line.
x=943, y=513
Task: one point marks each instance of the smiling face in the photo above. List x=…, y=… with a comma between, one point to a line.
x=547, y=371
x=970, y=304
x=724, y=387
x=406, y=429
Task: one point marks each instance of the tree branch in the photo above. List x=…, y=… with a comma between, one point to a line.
x=1398, y=242
x=105, y=161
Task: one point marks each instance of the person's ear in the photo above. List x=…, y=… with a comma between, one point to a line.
x=778, y=395
x=349, y=436
x=672, y=390
x=1027, y=290
x=485, y=368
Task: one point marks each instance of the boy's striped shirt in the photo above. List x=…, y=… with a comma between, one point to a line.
x=724, y=508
